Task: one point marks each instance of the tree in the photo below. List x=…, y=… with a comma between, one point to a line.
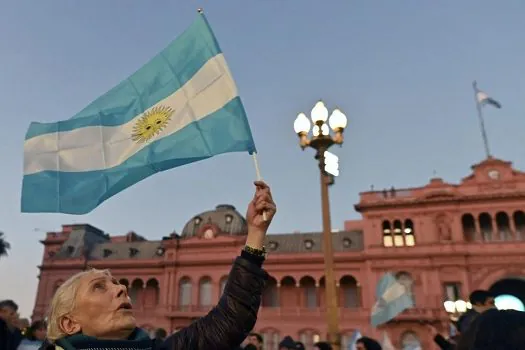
x=4, y=245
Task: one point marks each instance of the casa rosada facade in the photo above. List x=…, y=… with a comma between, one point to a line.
x=442, y=240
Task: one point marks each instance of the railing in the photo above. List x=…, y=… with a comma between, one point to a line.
x=414, y=314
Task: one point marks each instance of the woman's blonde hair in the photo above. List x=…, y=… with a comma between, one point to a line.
x=63, y=303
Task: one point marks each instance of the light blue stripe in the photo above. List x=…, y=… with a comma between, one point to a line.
x=226, y=130
x=155, y=81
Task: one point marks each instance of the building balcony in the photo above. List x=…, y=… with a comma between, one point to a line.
x=278, y=313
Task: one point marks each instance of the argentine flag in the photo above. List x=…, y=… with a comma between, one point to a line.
x=392, y=299
x=181, y=107
x=483, y=99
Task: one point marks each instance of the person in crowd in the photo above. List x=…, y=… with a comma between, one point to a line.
x=495, y=330
x=441, y=341
x=287, y=343
x=481, y=300
x=34, y=336
x=365, y=343
x=322, y=346
x=10, y=336
x=250, y=347
x=91, y=310
x=299, y=346
x=256, y=339
x=160, y=336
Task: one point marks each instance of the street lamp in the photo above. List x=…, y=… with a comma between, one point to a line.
x=321, y=141
x=456, y=308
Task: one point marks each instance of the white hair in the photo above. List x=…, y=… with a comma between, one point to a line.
x=63, y=303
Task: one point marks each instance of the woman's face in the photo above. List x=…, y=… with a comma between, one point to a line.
x=102, y=308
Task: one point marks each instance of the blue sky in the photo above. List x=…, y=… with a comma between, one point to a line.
x=401, y=70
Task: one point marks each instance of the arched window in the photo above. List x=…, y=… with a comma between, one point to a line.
x=468, y=224
x=288, y=292
x=271, y=339
x=485, y=225
x=503, y=223
x=405, y=279
x=398, y=234
x=223, y=282
x=409, y=233
x=270, y=297
x=309, y=338
x=388, y=240
x=349, y=292
x=135, y=292
x=410, y=341
x=205, y=289
x=152, y=292
x=307, y=285
x=519, y=223
x=185, y=293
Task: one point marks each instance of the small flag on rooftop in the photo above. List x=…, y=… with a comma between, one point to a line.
x=180, y=107
x=485, y=99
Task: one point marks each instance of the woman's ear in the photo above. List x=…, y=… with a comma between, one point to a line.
x=69, y=326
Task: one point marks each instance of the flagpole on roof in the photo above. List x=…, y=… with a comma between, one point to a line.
x=481, y=120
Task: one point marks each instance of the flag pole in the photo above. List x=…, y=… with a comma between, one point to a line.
x=258, y=176
x=481, y=120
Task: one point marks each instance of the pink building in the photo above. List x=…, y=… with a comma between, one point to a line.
x=442, y=240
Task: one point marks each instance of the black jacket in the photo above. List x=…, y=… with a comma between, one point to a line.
x=228, y=323
x=9, y=339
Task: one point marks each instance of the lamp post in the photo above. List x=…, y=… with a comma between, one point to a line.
x=321, y=141
x=456, y=308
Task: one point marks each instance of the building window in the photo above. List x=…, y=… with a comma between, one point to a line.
x=205, y=287
x=485, y=225
x=349, y=292
x=409, y=233
x=452, y=291
x=185, y=293
x=224, y=280
x=270, y=296
x=519, y=223
x=468, y=224
x=271, y=339
x=387, y=234
x=398, y=234
x=308, y=244
x=409, y=341
x=503, y=225
x=309, y=289
x=309, y=338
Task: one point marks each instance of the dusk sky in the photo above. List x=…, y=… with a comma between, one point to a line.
x=402, y=71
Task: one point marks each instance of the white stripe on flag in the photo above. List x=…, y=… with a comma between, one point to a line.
x=98, y=148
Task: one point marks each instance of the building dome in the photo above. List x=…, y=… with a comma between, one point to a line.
x=225, y=219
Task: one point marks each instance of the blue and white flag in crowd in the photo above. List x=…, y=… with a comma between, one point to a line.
x=392, y=299
x=353, y=341
x=181, y=107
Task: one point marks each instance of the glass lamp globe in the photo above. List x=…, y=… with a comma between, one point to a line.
x=338, y=120
x=316, y=130
x=450, y=306
x=319, y=113
x=461, y=306
x=301, y=124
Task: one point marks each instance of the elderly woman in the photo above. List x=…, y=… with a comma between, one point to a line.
x=92, y=310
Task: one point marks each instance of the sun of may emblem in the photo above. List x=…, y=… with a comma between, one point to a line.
x=151, y=123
